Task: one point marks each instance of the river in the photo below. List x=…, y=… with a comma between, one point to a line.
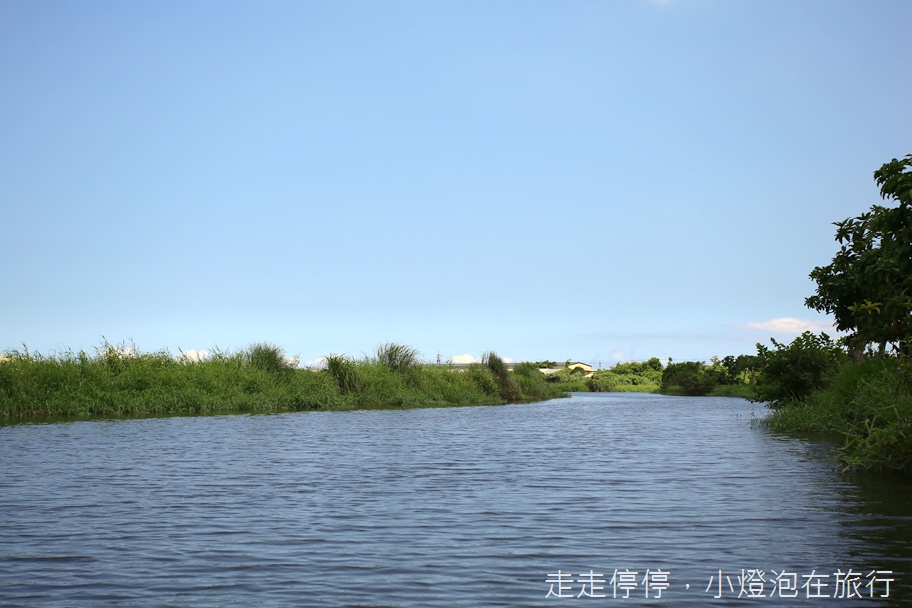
x=668, y=501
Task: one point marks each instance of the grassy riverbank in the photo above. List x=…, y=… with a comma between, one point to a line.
x=119, y=381
x=868, y=404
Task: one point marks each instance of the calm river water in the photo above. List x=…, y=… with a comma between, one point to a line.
x=599, y=494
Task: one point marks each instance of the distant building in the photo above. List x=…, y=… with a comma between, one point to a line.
x=574, y=365
x=580, y=365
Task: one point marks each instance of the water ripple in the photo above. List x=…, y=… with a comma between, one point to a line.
x=439, y=507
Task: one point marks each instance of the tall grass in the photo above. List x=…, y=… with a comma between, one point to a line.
x=269, y=358
x=124, y=381
x=397, y=357
x=344, y=372
x=120, y=380
x=509, y=391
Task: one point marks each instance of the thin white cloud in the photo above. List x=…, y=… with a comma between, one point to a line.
x=464, y=359
x=788, y=326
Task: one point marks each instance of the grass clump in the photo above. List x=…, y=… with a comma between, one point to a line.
x=508, y=389
x=344, y=372
x=397, y=357
x=268, y=358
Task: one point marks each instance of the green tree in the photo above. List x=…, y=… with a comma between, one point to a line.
x=793, y=371
x=868, y=285
x=740, y=370
x=691, y=376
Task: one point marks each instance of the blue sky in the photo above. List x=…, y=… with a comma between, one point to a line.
x=592, y=180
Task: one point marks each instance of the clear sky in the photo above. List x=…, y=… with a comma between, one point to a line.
x=593, y=180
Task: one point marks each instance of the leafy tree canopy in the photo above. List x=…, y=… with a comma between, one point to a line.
x=868, y=285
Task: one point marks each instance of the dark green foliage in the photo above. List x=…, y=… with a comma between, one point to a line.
x=726, y=377
x=869, y=404
x=689, y=378
x=638, y=368
x=868, y=285
x=742, y=369
x=792, y=371
x=604, y=381
x=812, y=383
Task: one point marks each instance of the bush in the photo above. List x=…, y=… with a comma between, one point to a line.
x=792, y=371
x=690, y=377
x=604, y=381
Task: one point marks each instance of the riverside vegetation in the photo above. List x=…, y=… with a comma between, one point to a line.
x=122, y=381
x=728, y=377
x=856, y=387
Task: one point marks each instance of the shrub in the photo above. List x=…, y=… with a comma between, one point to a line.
x=869, y=404
x=691, y=377
x=792, y=371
